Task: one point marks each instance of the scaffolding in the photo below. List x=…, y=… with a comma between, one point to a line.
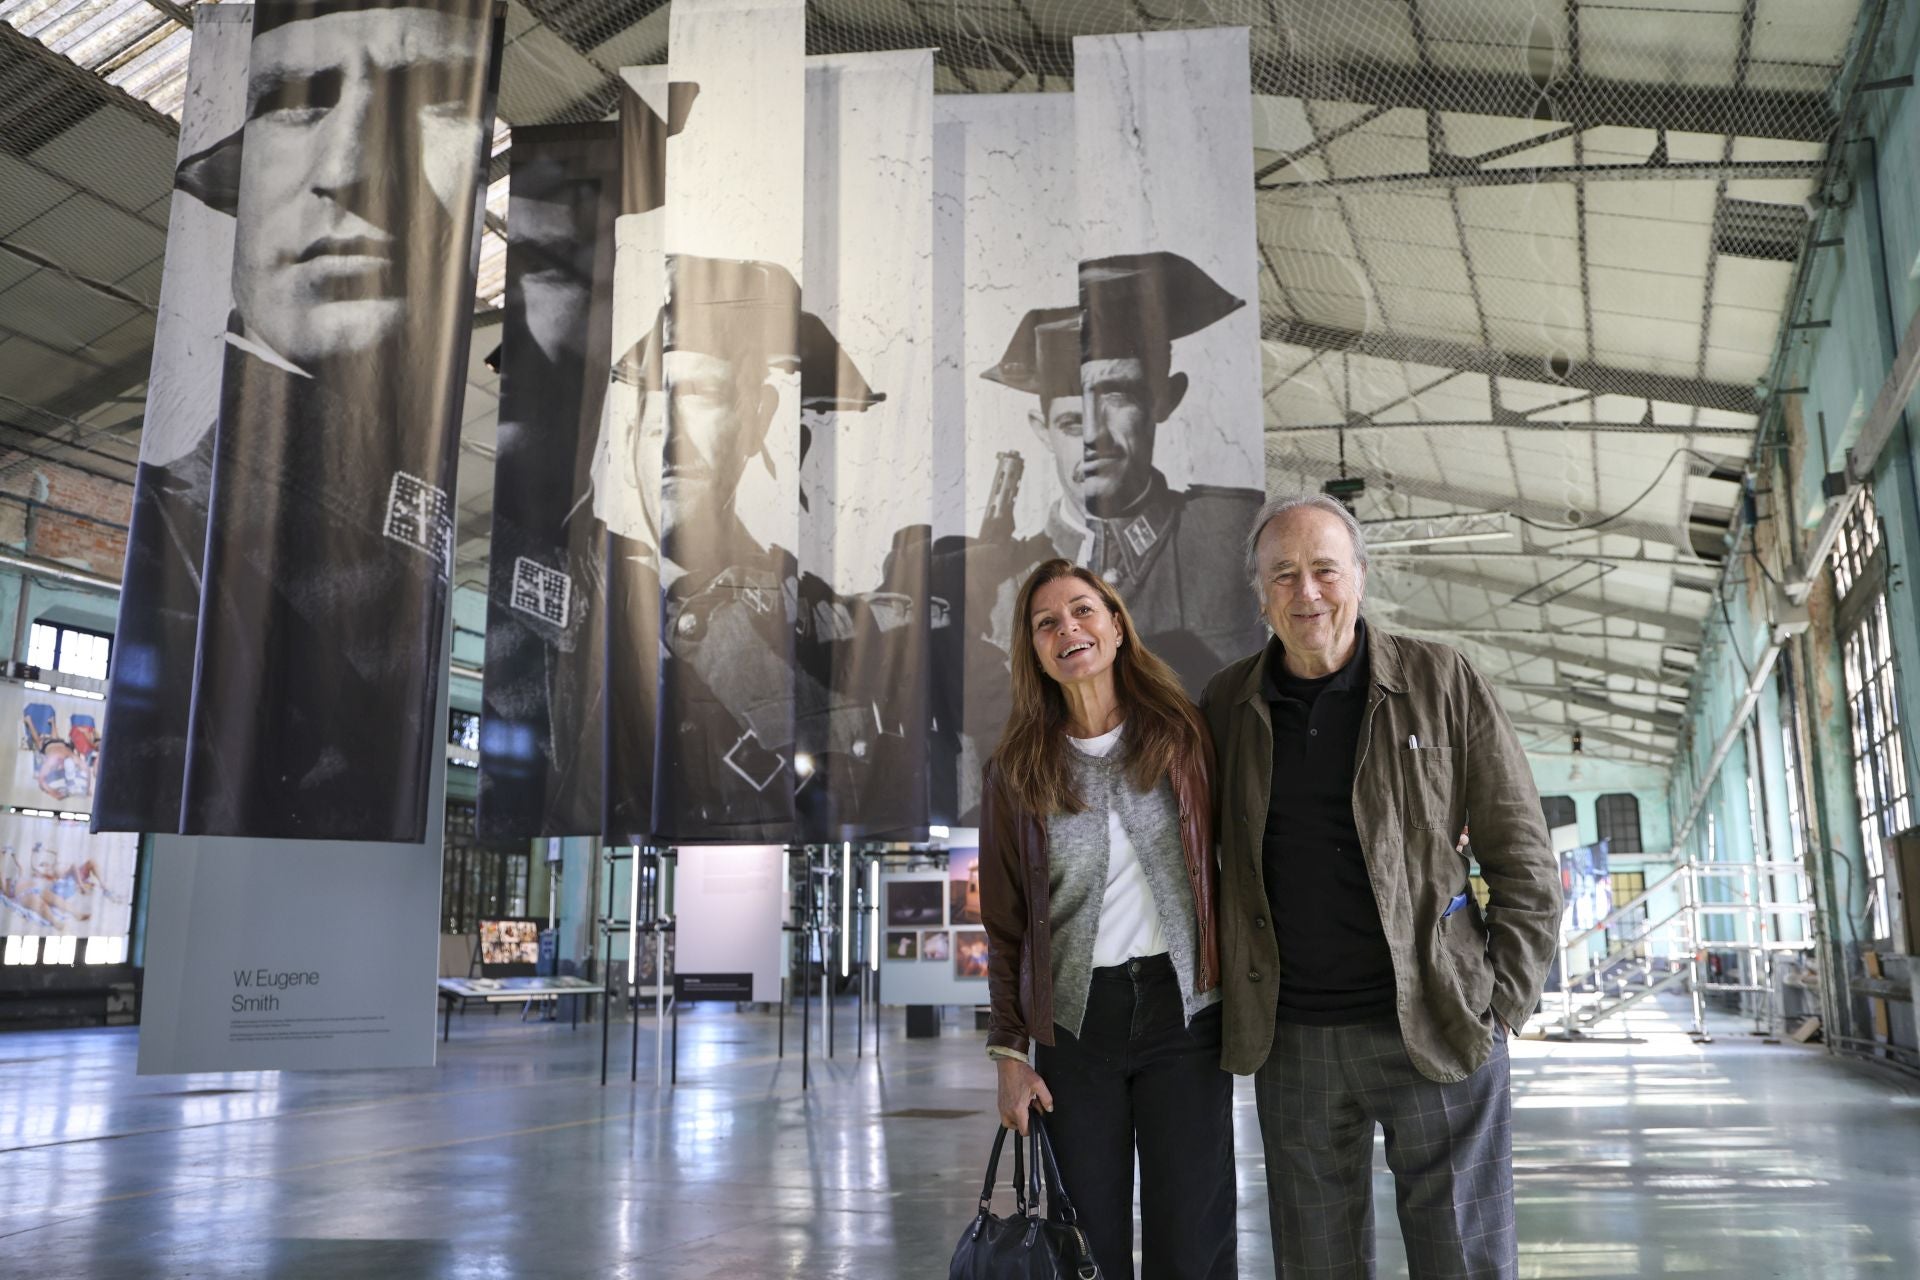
x=1626, y=958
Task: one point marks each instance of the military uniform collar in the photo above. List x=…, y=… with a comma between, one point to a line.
x=745, y=563
x=1117, y=547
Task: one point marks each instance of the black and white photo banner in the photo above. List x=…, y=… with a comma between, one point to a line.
x=728, y=341
x=1169, y=338
x=330, y=525
x=150, y=685
x=1007, y=239
x=866, y=485
x=541, y=717
x=632, y=431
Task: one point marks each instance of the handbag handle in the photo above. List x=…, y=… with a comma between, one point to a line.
x=1059, y=1204
x=1027, y=1204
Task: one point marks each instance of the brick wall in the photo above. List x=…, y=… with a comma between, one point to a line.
x=58, y=513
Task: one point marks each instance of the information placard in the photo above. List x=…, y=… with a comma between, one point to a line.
x=729, y=906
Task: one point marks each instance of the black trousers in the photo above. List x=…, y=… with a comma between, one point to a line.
x=1138, y=1078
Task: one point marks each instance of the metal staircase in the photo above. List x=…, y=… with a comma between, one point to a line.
x=1625, y=958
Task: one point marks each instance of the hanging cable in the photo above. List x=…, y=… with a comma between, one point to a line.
x=1609, y=519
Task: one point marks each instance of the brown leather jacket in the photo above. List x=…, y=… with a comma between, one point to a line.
x=1015, y=893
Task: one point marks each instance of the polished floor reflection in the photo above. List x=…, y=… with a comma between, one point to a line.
x=1653, y=1158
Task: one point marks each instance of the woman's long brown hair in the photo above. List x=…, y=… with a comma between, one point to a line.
x=1163, y=726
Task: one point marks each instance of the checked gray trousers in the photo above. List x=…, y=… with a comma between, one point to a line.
x=1450, y=1146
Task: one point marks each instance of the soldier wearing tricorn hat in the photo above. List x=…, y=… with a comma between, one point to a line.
x=1105, y=375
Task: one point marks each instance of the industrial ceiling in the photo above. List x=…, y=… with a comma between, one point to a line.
x=1526, y=267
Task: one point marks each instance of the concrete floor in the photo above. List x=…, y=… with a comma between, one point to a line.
x=1657, y=1158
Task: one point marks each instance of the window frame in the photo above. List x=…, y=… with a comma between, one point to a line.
x=61, y=632
x=1876, y=732
x=479, y=881
x=1603, y=821
x=1546, y=815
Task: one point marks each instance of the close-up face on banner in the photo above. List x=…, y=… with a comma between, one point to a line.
x=353, y=184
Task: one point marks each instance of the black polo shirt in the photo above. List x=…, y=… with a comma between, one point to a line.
x=1335, y=967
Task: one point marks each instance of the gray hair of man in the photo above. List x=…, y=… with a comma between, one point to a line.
x=1273, y=508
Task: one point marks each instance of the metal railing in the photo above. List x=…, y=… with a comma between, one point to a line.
x=1635, y=958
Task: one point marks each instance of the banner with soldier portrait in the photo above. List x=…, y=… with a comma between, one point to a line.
x=1006, y=241
x=630, y=428
x=541, y=715
x=150, y=685
x=862, y=678
x=727, y=346
x=330, y=521
x=1168, y=338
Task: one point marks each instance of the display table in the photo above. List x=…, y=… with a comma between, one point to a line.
x=508, y=990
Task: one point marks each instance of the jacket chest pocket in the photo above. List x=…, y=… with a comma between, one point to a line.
x=1428, y=778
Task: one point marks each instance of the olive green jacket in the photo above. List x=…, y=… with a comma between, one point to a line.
x=1452, y=975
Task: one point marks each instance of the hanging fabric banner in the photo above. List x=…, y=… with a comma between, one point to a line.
x=541, y=721
x=729, y=351
x=1006, y=243
x=1164, y=350
x=150, y=685
x=866, y=441
x=631, y=432
x=330, y=526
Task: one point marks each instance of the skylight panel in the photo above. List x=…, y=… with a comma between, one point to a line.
x=131, y=44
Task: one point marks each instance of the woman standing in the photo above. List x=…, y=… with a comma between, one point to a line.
x=1097, y=892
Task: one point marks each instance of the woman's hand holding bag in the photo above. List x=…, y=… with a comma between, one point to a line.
x=1020, y=1089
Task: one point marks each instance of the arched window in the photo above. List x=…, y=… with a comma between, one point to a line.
x=1558, y=810
x=1618, y=817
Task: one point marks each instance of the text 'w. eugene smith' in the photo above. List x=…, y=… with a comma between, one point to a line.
x=268, y=980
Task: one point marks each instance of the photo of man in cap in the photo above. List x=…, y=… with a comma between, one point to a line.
x=329, y=528
x=765, y=729
x=545, y=655
x=1107, y=378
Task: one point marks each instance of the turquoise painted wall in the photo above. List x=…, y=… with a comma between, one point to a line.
x=1866, y=291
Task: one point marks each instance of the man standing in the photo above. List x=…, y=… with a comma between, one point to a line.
x=1364, y=985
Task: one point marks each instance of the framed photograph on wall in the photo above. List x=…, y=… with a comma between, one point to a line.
x=903, y=946
x=915, y=902
x=936, y=944
x=963, y=886
x=969, y=953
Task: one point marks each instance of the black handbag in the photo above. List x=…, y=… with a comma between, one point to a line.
x=1026, y=1245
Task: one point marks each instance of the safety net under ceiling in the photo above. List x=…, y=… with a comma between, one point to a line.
x=1526, y=265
